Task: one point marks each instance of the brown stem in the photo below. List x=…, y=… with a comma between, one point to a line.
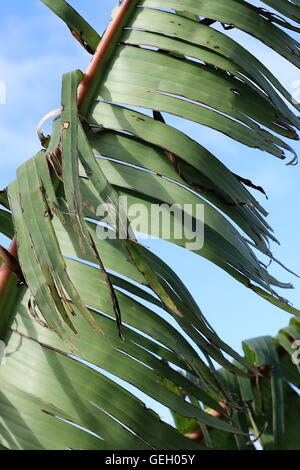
x=5, y=270
x=83, y=89
x=12, y=262
x=101, y=51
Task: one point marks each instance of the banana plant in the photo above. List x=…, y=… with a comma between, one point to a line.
x=94, y=324
x=268, y=400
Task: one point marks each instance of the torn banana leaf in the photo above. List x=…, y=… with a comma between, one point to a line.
x=80, y=29
x=241, y=15
x=85, y=273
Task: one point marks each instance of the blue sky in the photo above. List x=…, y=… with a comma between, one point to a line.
x=36, y=49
